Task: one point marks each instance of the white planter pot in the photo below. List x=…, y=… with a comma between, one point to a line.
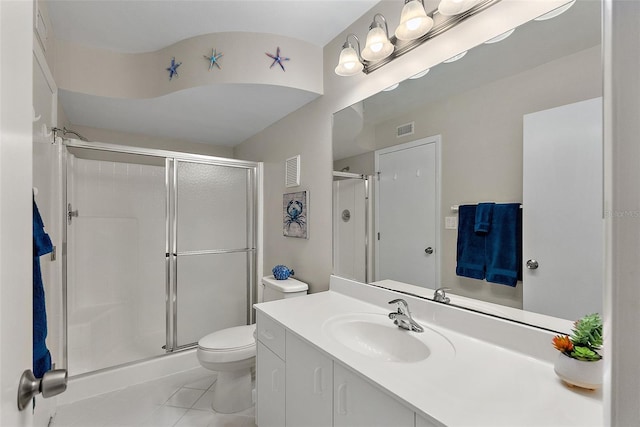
x=579, y=373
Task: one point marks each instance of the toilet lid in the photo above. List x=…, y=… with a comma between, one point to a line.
x=230, y=338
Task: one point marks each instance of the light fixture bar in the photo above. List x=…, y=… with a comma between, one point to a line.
x=439, y=28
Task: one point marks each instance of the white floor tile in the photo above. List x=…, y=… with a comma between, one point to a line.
x=153, y=392
x=229, y=420
x=204, y=383
x=186, y=377
x=196, y=418
x=159, y=403
x=204, y=403
x=185, y=398
x=120, y=413
x=165, y=416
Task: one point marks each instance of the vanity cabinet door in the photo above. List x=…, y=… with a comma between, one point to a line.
x=358, y=403
x=270, y=388
x=309, y=386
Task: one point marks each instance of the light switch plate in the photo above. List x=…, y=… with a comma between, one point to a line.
x=451, y=223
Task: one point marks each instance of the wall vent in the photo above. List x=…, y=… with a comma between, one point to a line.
x=292, y=171
x=404, y=130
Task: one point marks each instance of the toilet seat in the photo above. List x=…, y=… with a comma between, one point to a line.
x=228, y=345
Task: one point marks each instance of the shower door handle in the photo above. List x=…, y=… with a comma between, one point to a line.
x=71, y=213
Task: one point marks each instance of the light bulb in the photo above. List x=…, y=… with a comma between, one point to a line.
x=414, y=21
x=378, y=45
x=413, y=24
x=349, y=63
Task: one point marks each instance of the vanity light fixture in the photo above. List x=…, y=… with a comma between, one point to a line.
x=416, y=27
x=350, y=62
x=555, y=12
x=455, y=58
x=392, y=87
x=455, y=7
x=420, y=74
x=414, y=21
x=500, y=37
x=378, y=45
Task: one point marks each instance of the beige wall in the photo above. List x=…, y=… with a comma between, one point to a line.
x=308, y=131
x=363, y=164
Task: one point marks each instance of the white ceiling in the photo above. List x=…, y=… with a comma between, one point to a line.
x=236, y=112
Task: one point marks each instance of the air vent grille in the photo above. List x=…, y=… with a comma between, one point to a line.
x=404, y=130
x=292, y=171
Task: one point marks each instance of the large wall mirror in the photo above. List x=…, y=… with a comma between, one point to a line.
x=489, y=126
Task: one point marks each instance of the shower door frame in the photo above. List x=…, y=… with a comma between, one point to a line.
x=254, y=261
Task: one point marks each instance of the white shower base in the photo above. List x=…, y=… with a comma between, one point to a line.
x=108, y=380
x=99, y=338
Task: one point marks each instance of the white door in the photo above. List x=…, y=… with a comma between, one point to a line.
x=406, y=216
x=16, y=244
x=563, y=229
x=47, y=179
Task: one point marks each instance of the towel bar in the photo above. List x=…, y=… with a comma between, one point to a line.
x=456, y=208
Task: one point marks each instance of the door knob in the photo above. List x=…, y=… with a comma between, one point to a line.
x=428, y=251
x=52, y=383
x=532, y=264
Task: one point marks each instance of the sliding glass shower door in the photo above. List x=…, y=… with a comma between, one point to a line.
x=160, y=251
x=213, y=249
x=114, y=281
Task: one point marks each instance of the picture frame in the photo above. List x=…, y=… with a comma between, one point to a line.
x=295, y=214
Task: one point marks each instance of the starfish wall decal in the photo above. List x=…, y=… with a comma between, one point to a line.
x=213, y=59
x=277, y=59
x=173, y=68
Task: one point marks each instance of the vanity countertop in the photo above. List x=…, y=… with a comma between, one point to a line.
x=482, y=384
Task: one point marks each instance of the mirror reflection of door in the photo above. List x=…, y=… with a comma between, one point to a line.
x=562, y=214
x=406, y=213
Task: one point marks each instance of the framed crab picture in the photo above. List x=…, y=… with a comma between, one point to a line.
x=295, y=211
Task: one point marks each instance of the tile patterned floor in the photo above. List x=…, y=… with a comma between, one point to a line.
x=180, y=400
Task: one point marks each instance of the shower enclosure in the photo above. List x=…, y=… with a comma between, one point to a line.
x=160, y=251
x=352, y=226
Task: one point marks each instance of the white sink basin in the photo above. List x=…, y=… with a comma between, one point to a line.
x=376, y=336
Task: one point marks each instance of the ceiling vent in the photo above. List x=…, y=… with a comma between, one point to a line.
x=404, y=130
x=292, y=171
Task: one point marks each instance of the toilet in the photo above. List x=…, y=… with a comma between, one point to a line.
x=232, y=352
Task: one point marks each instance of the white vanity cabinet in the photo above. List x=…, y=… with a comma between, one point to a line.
x=270, y=373
x=299, y=385
x=358, y=403
x=270, y=388
x=309, y=386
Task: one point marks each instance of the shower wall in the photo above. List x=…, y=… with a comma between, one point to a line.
x=116, y=282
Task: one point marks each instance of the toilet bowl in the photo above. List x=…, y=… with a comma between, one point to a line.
x=232, y=352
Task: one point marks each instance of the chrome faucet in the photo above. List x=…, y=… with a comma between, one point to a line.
x=440, y=296
x=402, y=318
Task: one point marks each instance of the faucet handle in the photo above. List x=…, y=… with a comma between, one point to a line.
x=439, y=295
x=402, y=304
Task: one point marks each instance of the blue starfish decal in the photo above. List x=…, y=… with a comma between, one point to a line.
x=213, y=59
x=277, y=59
x=173, y=69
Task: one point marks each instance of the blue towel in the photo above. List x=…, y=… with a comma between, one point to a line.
x=41, y=245
x=471, y=246
x=484, y=213
x=504, y=245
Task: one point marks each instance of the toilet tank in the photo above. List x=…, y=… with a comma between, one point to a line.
x=280, y=289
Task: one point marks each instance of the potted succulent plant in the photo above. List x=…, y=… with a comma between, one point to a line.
x=579, y=363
